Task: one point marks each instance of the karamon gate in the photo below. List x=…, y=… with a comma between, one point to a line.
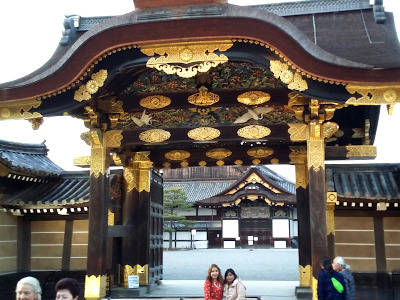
x=186, y=83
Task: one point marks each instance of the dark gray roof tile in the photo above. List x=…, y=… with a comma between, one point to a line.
x=27, y=158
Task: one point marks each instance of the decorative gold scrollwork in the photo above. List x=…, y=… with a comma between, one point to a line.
x=155, y=102
x=219, y=153
x=203, y=134
x=177, y=155
x=254, y=98
x=292, y=79
x=86, y=91
x=198, y=56
x=203, y=97
x=154, y=136
x=20, y=110
x=253, y=132
x=372, y=95
x=260, y=152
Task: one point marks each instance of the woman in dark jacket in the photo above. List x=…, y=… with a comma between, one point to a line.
x=325, y=288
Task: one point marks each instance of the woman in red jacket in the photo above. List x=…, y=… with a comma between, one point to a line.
x=214, y=284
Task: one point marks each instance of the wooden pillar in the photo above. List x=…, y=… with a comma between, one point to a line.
x=95, y=282
x=23, y=244
x=136, y=215
x=317, y=197
x=66, y=256
x=298, y=157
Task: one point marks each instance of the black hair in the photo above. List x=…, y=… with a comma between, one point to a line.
x=230, y=271
x=326, y=262
x=70, y=284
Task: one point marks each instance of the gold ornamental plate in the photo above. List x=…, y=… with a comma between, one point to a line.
x=204, y=134
x=154, y=136
x=254, y=132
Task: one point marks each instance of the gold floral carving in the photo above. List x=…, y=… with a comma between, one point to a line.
x=203, y=134
x=20, y=110
x=166, y=165
x=155, y=102
x=219, y=153
x=292, y=79
x=254, y=98
x=95, y=287
x=254, y=132
x=82, y=161
x=114, y=138
x=260, y=152
x=184, y=164
x=305, y=275
x=86, y=91
x=111, y=218
x=373, y=95
x=361, y=151
x=202, y=163
x=203, y=97
x=177, y=155
x=331, y=198
x=256, y=161
x=238, y=162
x=129, y=179
x=198, y=56
x=154, y=136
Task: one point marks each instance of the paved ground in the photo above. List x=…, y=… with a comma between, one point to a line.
x=271, y=274
x=258, y=264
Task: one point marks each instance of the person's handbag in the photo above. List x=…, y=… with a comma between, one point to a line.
x=337, y=285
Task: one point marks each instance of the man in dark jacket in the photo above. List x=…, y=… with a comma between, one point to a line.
x=339, y=265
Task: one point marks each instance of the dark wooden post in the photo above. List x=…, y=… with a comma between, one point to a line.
x=136, y=215
x=298, y=157
x=317, y=197
x=96, y=277
x=23, y=244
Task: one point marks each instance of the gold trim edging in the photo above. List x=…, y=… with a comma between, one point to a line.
x=142, y=272
x=95, y=287
x=365, y=151
x=305, y=275
x=331, y=198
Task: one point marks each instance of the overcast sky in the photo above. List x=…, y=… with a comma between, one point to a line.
x=30, y=32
